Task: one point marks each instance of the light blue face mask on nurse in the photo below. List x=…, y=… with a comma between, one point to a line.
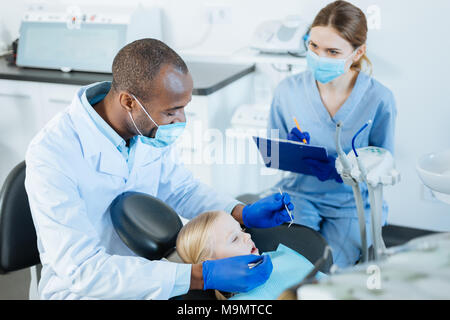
x=165, y=135
x=327, y=69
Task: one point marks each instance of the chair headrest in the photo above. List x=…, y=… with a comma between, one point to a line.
x=145, y=224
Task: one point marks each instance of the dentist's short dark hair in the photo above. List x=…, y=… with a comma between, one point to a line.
x=137, y=64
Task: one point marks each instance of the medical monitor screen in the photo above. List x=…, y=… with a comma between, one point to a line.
x=92, y=47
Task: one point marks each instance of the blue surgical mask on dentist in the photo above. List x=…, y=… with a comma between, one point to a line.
x=165, y=134
x=327, y=69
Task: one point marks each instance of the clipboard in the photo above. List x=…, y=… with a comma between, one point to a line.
x=289, y=155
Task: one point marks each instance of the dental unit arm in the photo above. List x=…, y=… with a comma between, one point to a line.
x=375, y=167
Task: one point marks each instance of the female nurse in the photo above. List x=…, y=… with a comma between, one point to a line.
x=333, y=89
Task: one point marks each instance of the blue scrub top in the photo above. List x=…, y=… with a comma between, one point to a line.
x=298, y=96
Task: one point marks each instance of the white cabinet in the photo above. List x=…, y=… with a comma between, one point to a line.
x=54, y=98
x=18, y=113
x=25, y=107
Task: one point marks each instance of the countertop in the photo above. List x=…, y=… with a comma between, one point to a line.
x=208, y=77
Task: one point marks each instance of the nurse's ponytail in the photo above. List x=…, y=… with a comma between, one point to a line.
x=350, y=22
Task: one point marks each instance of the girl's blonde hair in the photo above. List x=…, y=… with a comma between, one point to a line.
x=194, y=243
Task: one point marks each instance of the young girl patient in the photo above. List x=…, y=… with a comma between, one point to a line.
x=217, y=235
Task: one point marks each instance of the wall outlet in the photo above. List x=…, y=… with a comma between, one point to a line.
x=218, y=14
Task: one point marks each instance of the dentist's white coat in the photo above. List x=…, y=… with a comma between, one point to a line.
x=73, y=174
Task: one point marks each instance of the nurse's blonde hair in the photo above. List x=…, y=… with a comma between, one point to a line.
x=350, y=22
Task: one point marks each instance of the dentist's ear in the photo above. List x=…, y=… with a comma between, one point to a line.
x=126, y=101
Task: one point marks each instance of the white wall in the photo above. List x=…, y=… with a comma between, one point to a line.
x=410, y=54
x=410, y=57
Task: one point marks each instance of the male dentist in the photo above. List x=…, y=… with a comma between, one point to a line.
x=113, y=138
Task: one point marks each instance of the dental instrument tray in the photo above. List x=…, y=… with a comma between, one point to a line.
x=289, y=155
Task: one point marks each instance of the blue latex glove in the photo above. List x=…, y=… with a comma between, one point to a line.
x=324, y=170
x=298, y=136
x=268, y=212
x=234, y=274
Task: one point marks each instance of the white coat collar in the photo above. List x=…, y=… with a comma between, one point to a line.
x=96, y=146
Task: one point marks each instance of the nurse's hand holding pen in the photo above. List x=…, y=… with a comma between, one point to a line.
x=298, y=136
x=323, y=170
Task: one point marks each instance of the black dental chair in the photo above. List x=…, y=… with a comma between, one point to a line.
x=149, y=227
x=18, y=242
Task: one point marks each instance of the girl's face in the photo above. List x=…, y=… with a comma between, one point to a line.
x=326, y=42
x=229, y=240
